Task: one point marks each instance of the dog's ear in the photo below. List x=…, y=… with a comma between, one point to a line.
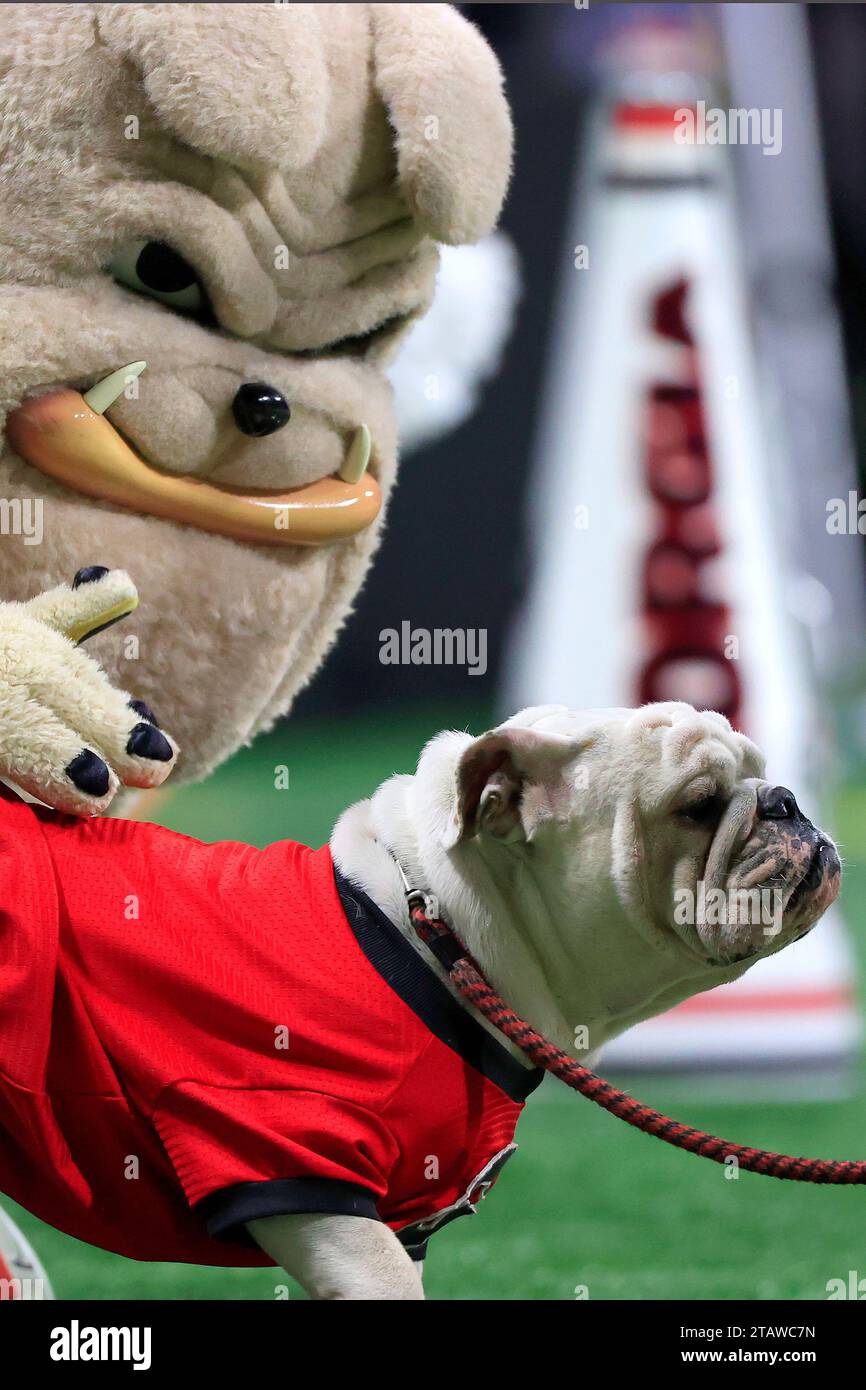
x=442, y=88
x=508, y=781
x=233, y=85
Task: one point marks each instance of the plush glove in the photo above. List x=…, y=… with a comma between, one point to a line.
x=67, y=736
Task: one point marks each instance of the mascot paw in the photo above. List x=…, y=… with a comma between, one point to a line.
x=67, y=736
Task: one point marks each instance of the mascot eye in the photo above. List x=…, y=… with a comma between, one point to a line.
x=155, y=269
x=706, y=813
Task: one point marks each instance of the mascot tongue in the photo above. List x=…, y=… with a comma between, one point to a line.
x=65, y=435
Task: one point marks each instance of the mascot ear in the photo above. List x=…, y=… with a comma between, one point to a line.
x=508, y=781
x=230, y=88
x=442, y=88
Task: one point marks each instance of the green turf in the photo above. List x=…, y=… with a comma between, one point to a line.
x=587, y=1202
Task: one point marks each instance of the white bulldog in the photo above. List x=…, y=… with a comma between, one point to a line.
x=599, y=866
x=566, y=849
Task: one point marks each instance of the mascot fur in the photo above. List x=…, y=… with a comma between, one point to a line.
x=249, y=198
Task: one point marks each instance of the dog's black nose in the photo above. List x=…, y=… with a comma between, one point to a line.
x=260, y=409
x=777, y=803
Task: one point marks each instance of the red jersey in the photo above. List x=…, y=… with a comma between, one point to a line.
x=195, y=1035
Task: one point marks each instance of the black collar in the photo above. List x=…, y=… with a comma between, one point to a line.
x=409, y=975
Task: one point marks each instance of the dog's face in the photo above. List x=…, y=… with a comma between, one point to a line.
x=657, y=820
x=248, y=198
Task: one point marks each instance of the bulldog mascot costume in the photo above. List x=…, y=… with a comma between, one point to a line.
x=247, y=199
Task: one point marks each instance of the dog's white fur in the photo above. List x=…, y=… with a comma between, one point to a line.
x=561, y=888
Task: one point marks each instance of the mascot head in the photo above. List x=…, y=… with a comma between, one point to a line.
x=248, y=198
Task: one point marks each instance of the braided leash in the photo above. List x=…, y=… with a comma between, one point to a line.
x=467, y=977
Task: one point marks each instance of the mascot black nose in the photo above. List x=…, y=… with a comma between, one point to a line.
x=260, y=409
x=777, y=803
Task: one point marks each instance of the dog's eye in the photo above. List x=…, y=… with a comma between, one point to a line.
x=706, y=813
x=155, y=269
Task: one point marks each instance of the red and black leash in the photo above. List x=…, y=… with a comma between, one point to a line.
x=467, y=978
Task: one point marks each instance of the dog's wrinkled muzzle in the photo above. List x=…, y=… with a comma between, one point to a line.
x=765, y=845
x=731, y=832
